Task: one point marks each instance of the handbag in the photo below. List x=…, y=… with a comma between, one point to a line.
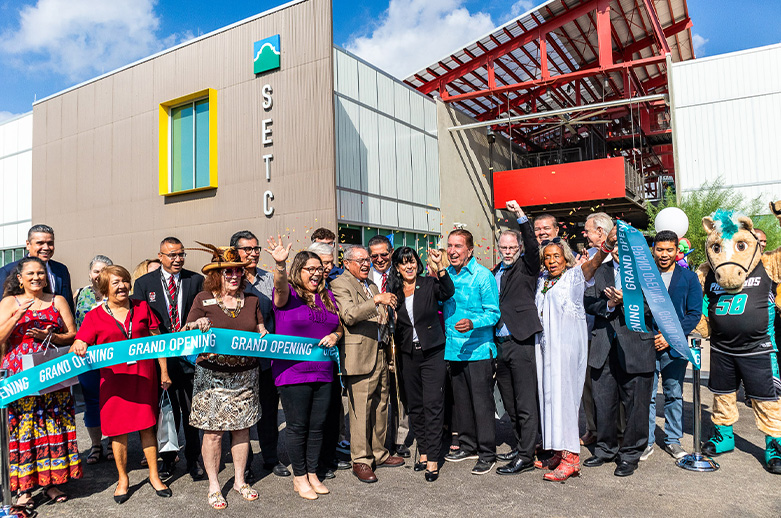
x=167, y=435
x=50, y=352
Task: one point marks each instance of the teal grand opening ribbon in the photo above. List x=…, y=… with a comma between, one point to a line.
x=640, y=276
x=216, y=341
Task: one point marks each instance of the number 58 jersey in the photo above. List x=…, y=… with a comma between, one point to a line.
x=742, y=324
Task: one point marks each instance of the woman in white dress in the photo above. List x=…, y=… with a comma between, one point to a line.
x=562, y=352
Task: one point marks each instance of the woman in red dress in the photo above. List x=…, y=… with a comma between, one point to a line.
x=128, y=392
x=43, y=447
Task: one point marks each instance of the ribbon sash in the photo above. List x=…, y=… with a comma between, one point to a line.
x=217, y=341
x=639, y=272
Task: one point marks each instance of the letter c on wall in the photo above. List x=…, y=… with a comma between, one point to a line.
x=268, y=210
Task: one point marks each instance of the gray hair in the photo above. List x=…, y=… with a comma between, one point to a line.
x=100, y=259
x=44, y=229
x=321, y=248
x=350, y=251
x=565, y=249
x=601, y=220
x=514, y=233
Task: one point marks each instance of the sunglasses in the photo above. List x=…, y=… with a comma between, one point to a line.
x=233, y=272
x=555, y=241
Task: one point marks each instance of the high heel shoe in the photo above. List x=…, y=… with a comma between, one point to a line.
x=420, y=466
x=164, y=493
x=121, y=499
x=432, y=476
x=308, y=494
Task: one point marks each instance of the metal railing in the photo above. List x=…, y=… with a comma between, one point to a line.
x=552, y=157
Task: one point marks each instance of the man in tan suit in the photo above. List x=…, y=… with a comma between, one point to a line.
x=364, y=313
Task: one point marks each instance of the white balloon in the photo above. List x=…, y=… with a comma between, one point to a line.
x=672, y=218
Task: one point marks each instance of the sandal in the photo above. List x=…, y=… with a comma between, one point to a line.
x=95, y=455
x=247, y=493
x=29, y=505
x=58, y=499
x=217, y=501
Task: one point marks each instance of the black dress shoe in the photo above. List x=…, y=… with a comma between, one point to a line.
x=419, y=466
x=431, y=476
x=595, y=461
x=167, y=469
x=164, y=493
x=340, y=465
x=458, y=456
x=327, y=474
x=624, y=469
x=196, y=472
x=402, y=451
x=510, y=455
x=516, y=466
x=121, y=499
x=278, y=469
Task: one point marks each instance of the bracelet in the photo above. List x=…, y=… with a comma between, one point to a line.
x=442, y=270
x=605, y=249
x=280, y=269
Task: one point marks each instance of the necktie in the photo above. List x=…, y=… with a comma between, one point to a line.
x=385, y=282
x=173, y=310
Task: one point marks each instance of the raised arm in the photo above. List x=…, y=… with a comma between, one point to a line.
x=443, y=285
x=280, y=253
x=531, y=248
x=589, y=268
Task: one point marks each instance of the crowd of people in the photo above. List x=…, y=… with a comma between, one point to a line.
x=422, y=346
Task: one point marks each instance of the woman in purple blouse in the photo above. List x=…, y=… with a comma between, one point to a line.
x=303, y=306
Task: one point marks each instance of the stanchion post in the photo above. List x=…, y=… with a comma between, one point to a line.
x=5, y=459
x=696, y=461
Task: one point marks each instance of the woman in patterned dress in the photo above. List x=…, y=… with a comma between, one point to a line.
x=43, y=447
x=88, y=298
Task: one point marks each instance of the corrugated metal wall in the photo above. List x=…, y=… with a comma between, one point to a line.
x=16, y=171
x=387, y=160
x=726, y=114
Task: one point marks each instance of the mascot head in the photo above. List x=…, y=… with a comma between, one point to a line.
x=732, y=248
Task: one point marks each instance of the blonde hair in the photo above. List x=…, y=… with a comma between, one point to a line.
x=141, y=269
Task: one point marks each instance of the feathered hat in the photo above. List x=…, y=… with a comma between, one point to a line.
x=222, y=257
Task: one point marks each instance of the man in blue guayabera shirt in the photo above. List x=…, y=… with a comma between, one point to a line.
x=470, y=317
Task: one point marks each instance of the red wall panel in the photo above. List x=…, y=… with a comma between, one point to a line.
x=561, y=183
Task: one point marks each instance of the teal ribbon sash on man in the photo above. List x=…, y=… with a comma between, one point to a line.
x=216, y=341
x=639, y=272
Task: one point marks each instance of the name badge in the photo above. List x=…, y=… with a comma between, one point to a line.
x=152, y=296
x=210, y=302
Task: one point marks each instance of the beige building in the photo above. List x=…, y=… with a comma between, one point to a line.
x=263, y=125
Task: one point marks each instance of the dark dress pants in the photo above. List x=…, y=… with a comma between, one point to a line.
x=181, y=394
x=516, y=377
x=473, y=392
x=611, y=386
x=332, y=424
x=424, y=374
x=306, y=408
x=268, y=426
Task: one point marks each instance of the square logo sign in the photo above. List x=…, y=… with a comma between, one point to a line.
x=266, y=54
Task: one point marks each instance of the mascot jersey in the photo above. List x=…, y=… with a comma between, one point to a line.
x=742, y=324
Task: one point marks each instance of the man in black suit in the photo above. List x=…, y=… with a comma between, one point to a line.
x=622, y=365
x=516, y=370
x=170, y=292
x=40, y=244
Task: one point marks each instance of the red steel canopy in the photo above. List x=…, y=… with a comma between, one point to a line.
x=569, y=54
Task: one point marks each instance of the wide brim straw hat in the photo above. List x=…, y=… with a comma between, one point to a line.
x=222, y=257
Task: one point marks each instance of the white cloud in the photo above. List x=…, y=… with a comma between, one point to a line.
x=520, y=7
x=78, y=38
x=4, y=116
x=412, y=34
x=699, y=42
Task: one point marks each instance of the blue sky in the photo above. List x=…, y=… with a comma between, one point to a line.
x=49, y=45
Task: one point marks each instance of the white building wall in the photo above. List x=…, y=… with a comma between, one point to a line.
x=16, y=143
x=386, y=149
x=726, y=113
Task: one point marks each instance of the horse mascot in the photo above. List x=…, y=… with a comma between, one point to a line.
x=739, y=283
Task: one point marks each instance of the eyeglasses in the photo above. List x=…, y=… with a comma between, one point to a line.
x=508, y=248
x=250, y=249
x=377, y=256
x=172, y=256
x=555, y=241
x=365, y=260
x=233, y=272
x=314, y=269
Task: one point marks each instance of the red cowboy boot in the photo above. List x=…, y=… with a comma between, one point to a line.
x=569, y=467
x=551, y=462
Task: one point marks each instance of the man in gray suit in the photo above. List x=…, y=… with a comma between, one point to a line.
x=622, y=364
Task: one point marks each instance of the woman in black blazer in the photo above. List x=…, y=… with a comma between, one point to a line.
x=421, y=341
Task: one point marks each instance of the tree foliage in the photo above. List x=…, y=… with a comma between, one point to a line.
x=706, y=201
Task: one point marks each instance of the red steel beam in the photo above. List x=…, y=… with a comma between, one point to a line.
x=661, y=39
x=557, y=80
x=604, y=41
x=522, y=39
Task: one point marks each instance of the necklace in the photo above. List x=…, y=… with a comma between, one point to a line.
x=549, y=283
x=233, y=313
